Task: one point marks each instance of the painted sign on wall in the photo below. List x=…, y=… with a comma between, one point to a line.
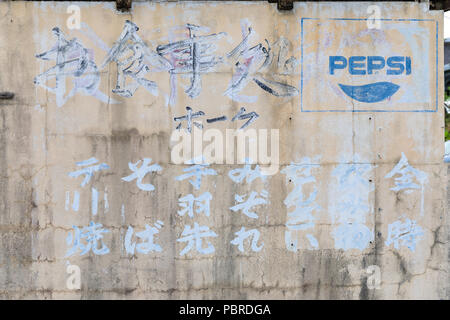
x=390, y=69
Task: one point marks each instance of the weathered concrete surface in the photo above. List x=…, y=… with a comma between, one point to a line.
x=40, y=144
x=448, y=206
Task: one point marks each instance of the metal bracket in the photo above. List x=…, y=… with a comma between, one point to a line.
x=6, y=95
x=283, y=4
x=440, y=5
x=123, y=5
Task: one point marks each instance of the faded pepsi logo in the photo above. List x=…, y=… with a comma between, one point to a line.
x=347, y=67
x=362, y=65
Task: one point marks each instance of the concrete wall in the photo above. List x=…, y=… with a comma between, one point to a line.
x=355, y=211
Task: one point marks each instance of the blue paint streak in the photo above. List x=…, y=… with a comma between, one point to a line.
x=352, y=236
x=370, y=93
x=76, y=201
x=94, y=203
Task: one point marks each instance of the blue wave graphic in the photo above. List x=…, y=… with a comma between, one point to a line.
x=370, y=93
